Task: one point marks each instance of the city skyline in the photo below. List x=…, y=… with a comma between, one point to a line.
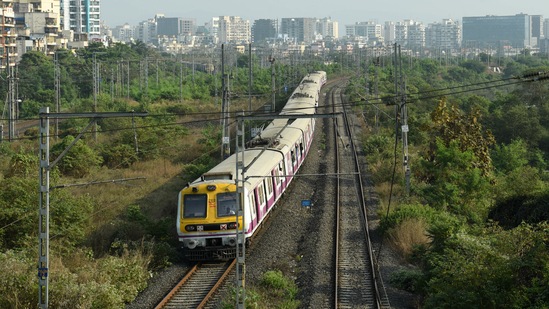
x=119, y=12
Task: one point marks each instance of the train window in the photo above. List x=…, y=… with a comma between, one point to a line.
x=226, y=204
x=194, y=206
x=301, y=147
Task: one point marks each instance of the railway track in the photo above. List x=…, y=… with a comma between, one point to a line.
x=198, y=286
x=355, y=280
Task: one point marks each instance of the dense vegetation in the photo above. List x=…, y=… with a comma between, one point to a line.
x=475, y=222
x=114, y=194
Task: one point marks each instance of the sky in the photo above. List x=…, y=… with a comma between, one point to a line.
x=118, y=12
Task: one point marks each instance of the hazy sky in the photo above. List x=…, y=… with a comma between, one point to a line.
x=118, y=12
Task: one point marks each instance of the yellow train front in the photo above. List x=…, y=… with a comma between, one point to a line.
x=207, y=221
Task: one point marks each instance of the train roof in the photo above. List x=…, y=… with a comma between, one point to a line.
x=226, y=170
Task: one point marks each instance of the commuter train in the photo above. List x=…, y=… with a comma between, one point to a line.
x=206, y=217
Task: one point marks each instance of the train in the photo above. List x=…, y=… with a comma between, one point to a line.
x=207, y=207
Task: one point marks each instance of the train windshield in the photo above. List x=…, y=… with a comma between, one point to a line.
x=194, y=206
x=226, y=204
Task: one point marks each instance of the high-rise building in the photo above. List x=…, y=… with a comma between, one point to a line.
x=487, y=30
x=146, y=31
x=445, y=35
x=82, y=16
x=537, y=26
x=233, y=29
x=546, y=28
x=7, y=34
x=302, y=30
x=187, y=26
x=264, y=29
x=389, y=32
x=327, y=28
x=168, y=26
x=123, y=33
x=37, y=25
x=367, y=29
x=416, y=35
x=410, y=33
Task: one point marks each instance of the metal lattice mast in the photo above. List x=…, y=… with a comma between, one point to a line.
x=44, y=210
x=44, y=181
x=240, y=233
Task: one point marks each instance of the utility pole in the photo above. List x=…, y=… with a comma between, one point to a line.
x=226, y=148
x=273, y=85
x=57, y=77
x=44, y=189
x=240, y=233
x=250, y=77
x=11, y=99
x=400, y=90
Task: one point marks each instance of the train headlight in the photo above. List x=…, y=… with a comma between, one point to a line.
x=211, y=187
x=192, y=244
x=232, y=225
x=190, y=228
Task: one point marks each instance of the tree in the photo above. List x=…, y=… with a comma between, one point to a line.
x=78, y=160
x=449, y=124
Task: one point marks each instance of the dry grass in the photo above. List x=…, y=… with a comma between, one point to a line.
x=408, y=234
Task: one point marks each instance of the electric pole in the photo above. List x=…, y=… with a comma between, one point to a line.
x=226, y=148
x=273, y=85
x=44, y=189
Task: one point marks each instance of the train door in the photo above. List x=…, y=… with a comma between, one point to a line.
x=277, y=181
x=260, y=191
x=268, y=182
x=253, y=210
x=291, y=165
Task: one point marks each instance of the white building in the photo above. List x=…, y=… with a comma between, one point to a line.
x=370, y=30
x=233, y=29
x=123, y=33
x=327, y=28
x=82, y=17
x=445, y=35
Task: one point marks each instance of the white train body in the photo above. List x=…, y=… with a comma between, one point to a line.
x=206, y=217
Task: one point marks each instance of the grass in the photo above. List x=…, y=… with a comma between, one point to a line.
x=275, y=291
x=408, y=234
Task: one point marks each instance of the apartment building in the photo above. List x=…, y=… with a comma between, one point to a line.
x=8, y=52
x=233, y=29
x=82, y=17
x=369, y=30
x=301, y=30
x=327, y=28
x=37, y=25
x=445, y=35
x=264, y=29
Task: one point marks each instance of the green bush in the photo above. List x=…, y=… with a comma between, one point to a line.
x=79, y=160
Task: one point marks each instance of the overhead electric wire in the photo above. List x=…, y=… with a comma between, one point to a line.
x=539, y=76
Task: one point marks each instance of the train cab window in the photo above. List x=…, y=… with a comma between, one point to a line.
x=301, y=147
x=194, y=206
x=226, y=204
